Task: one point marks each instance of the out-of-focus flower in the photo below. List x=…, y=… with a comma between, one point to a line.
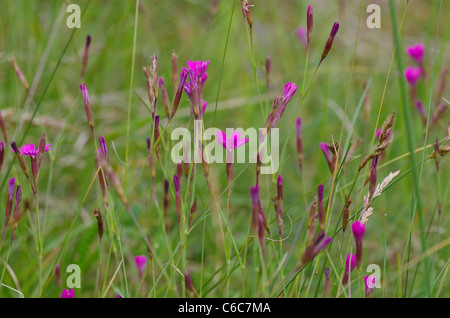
x=68, y=294
x=412, y=75
x=232, y=142
x=416, y=52
x=369, y=282
x=141, y=262
x=301, y=34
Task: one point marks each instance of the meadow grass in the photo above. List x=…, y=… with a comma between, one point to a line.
x=344, y=100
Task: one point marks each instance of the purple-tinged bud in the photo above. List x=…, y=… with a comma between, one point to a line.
x=2, y=154
x=42, y=148
x=299, y=143
x=85, y=56
x=188, y=281
x=312, y=213
x=176, y=182
x=261, y=236
x=247, y=12
x=87, y=106
x=268, y=69
x=9, y=203
x=22, y=163
x=156, y=136
x=177, y=98
x=358, y=230
x=437, y=151
x=16, y=214
x=319, y=243
x=327, y=272
x=166, y=204
x=350, y=264
x=100, y=227
x=346, y=213
x=192, y=212
x=412, y=75
x=321, y=208
x=280, y=204
x=325, y=147
x=268, y=64
x=141, y=262
x=254, y=193
x=369, y=283
x=309, y=25
x=103, y=148
x=329, y=42
x=68, y=294
x=165, y=96
x=58, y=274
x=423, y=115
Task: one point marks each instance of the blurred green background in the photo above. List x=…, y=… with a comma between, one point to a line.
x=35, y=32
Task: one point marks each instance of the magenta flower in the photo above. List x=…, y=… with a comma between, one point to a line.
x=199, y=70
x=289, y=91
x=141, y=262
x=278, y=110
x=369, y=283
x=87, y=105
x=68, y=294
x=301, y=34
x=197, y=76
x=232, y=142
x=358, y=230
x=416, y=52
x=30, y=150
x=412, y=75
